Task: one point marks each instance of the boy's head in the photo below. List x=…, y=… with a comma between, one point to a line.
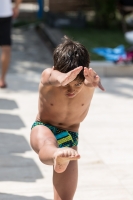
x=70, y=55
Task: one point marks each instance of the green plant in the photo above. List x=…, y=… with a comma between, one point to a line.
x=105, y=12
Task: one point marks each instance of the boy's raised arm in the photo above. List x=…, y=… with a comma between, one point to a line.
x=92, y=79
x=56, y=78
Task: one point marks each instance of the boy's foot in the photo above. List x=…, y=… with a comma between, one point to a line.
x=62, y=158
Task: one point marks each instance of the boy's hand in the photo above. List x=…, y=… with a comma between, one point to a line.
x=92, y=79
x=66, y=78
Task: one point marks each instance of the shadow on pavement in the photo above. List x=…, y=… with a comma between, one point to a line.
x=29, y=52
x=6, y=104
x=9, y=121
x=4, y=196
x=16, y=167
x=26, y=83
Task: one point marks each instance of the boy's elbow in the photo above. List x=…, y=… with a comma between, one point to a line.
x=45, y=77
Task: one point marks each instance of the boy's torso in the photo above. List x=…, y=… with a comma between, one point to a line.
x=57, y=109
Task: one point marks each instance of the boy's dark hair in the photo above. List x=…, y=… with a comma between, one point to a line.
x=69, y=55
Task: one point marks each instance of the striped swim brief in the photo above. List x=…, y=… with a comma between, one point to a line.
x=64, y=138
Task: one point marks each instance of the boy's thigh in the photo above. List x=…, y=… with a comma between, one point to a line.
x=65, y=183
x=39, y=135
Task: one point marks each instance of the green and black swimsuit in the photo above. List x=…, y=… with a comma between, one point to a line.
x=64, y=138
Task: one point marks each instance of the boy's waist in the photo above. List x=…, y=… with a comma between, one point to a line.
x=60, y=125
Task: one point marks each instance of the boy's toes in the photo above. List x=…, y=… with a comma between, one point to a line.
x=63, y=157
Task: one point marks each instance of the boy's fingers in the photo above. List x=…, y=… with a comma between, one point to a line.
x=100, y=86
x=94, y=75
x=90, y=69
x=78, y=68
x=86, y=71
x=99, y=83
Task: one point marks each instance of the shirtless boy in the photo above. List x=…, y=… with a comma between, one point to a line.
x=65, y=93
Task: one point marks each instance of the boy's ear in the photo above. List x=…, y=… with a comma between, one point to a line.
x=53, y=67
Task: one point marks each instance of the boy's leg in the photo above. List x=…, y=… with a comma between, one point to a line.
x=65, y=183
x=44, y=143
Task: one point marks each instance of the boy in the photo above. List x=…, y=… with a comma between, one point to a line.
x=65, y=93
